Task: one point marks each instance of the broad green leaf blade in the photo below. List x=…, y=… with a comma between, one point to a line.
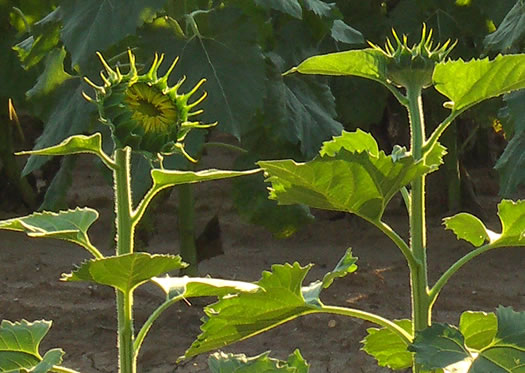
x=72, y=145
x=221, y=362
x=94, y=25
x=190, y=287
x=291, y=7
x=443, y=346
x=366, y=63
x=388, y=348
x=125, y=272
x=319, y=7
x=478, y=328
x=342, y=32
x=70, y=225
x=511, y=165
x=281, y=297
x=167, y=178
x=244, y=315
x=468, y=227
x=357, y=179
x=512, y=217
x=468, y=83
x=19, y=344
x=510, y=31
x=56, y=193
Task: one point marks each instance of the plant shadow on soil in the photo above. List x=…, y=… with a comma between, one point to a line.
x=83, y=315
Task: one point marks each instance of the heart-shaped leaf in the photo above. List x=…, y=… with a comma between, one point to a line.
x=468, y=83
x=239, y=363
x=190, y=287
x=70, y=225
x=281, y=298
x=19, y=344
x=388, y=348
x=125, y=272
x=445, y=347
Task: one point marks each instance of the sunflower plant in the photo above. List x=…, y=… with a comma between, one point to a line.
x=351, y=174
x=148, y=116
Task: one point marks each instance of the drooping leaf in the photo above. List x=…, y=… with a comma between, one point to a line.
x=190, y=287
x=510, y=31
x=72, y=145
x=70, y=225
x=388, y=348
x=467, y=227
x=281, y=298
x=443, y=346
x=226, y=53
x=125, y=272
x=468, y=83
x=93, y=25
x=366, y=63
x=19, y=344
x=342, y=32
x=358, y=178
x=291, y=7
x=221, y=362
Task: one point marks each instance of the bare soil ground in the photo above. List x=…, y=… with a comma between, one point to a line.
x=83, y=315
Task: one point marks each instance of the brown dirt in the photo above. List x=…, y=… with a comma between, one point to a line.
x=84, y=318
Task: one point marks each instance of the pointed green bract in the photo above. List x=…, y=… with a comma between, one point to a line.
x=189, y=287
x=366, y=63
x=469, y=350
x=387, y=347
x=71, y=145
x=19, y=344
x=221, y=362
x=468, y=227
x=351, y=176
x=125, y=272
x=70, y=225
x=468, y=83
x=281, y=298
x=164, y=178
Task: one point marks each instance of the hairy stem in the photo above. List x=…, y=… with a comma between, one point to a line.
x=125, y=230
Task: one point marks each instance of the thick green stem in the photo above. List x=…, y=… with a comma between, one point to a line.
x=186, y=219
x=421, y=315
x=125, y=229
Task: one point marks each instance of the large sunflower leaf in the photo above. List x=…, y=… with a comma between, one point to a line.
x=510, y=31
x=19, y=343
x=70, y=225
x=478, y=328
x=125, y=272
x=281, y=298
x=512, y=218
x=93, y=25
x=351, y=176
x=388, y=348
x=366, y=63
x=239, y=363
x=290, y=7
x=443, y=346
x=190, y=287
x=468, y=83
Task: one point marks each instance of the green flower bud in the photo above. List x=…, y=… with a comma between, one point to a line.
x=413, y=66
x=143, y=112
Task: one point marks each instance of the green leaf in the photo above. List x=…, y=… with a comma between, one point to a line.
x=468, y=83
x=281, y=298
x=72, y=145
x=190, y=287
x=467, y=227
x=70, y=225
x=443, y=346
x=366, y=63
x=510, y=32
x=358, y=178
x=94, y=25
x=125, y=272
x=167, y=178
x=478, y=328
x=290, y=7
x=19, y=343
x=342, y=32
x=52, y=77
x=221, y=362
x=56, y=193
x=319, y=7
x=511, y=165
x=387, y=347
